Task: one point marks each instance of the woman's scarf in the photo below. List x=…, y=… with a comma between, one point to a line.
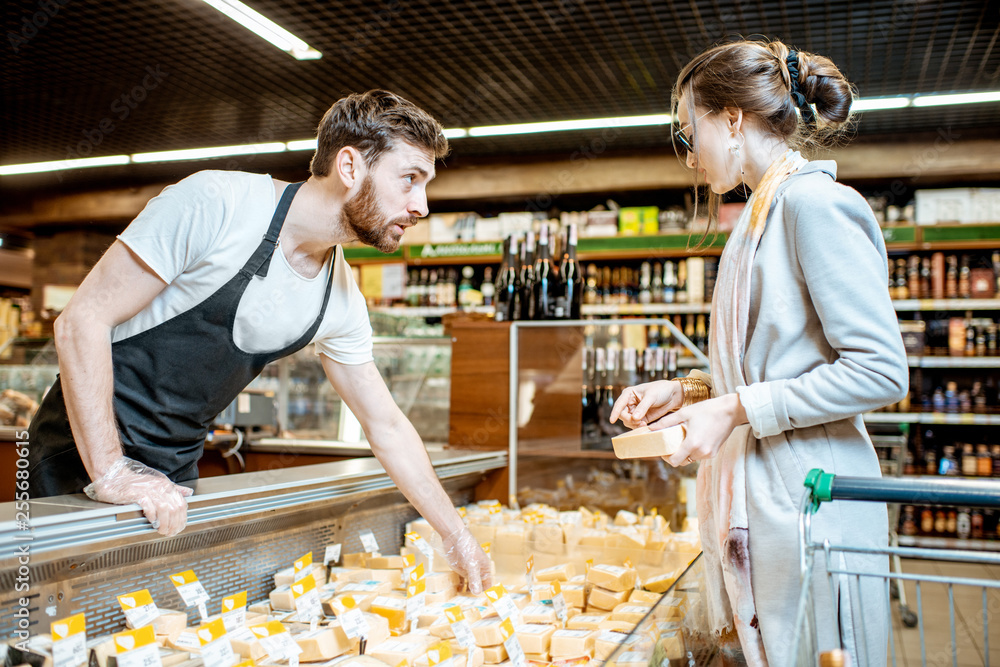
x=722, y=506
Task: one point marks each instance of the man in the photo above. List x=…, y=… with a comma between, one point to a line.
x=189, y=304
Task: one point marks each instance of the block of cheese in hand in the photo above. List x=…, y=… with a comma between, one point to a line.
x=487, y=632
x=602, y=598
x=539, y=614
x=612, y=577
x=571, y=643
x=397, y=650
x=630, y=612
x=643, y=443
x=588, y=621
x=561, y=572
x=494, y=655
x=533, y=637
x=322, y=644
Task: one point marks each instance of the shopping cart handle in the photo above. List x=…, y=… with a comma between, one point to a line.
x=915, y=491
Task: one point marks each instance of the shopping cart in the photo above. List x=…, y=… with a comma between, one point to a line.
x=823, y=487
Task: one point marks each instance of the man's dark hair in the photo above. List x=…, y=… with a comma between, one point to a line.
x=373, y=122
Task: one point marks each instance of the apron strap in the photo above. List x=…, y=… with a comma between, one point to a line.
x=261, y=259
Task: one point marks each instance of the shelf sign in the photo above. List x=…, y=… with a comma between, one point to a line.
x=69, y=641
x=444, y=250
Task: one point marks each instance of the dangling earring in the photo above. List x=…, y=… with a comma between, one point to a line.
x=736, y=142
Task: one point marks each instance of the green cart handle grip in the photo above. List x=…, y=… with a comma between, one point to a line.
x=820, y=484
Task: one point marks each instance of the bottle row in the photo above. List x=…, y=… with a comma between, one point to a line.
x=936, y=395
x=951, y=336
x=958, y=459
x=531, y=285
x=954, y=522
x=940, y=276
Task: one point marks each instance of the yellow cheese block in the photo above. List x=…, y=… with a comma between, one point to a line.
x=393, y=609
x=547, y=538
x=487, y=632
x=510, y=539
x=395, y=651
x=534, y=638
x=630, y=611
x=570, y=643
x=369, y=586
x=537, y=657
x=574, y=594
x=334, y=606
x=631, y=659
x=626, y=518
x=438, y=582
x=262, y=607
x=286, y=577
x=282, y=599
x=561, y=572
x=588, y=621
x=612, y=577
x=660, y=582
x=386, y=563
x=627, y=538
x=246, y=644
x=494, y=655
x=347, y=575
x=643, y=443
x=539, y=613
x=392, y=577
x=602, y=598
x=609, y=640
x=520, y=600
x=644, y=597
x=671, y=646
x=672, y=608
x=185, y=640
x=617, y=626
x=594, y=538
x=358, y=559
x=322, y=644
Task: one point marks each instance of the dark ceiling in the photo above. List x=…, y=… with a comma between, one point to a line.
x=479, y=62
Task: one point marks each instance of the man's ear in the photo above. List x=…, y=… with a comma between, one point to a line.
x=349, y=166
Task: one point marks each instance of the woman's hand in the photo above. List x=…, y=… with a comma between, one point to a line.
x=645, y=403
x=709, y=424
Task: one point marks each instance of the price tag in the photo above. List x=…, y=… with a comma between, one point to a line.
x=462, y=512
x=411, y=567
x=559, y=602
x=216, y=649
x=369, y=542
x=188, y=640
x=487, y=547
x=589, y=563
x=415, y=596
x=421, y=545
x=137, y=648
x=460, y=626
x=352, y=620
x=439, y=654
x=69, y=641
x=139, y=608
x=191, y=591
x=529, y=570
x=277, y=642
x=306, y=598
x=504, y=606
x=332, y=554
x=514, y=652
x=234, y=611
x=302, y=567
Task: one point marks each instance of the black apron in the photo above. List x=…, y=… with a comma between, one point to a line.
x=171, y=382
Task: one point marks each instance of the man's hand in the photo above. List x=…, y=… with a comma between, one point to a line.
x=128, y=482
x=466, y=557
x=645, y=403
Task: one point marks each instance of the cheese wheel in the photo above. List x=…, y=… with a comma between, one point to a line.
x=567, y=643
x=612, y=577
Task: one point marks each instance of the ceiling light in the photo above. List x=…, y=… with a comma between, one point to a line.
x=562, y=125
x=206, y=153
x=302, y=145
x=264, y=27
x=455, y=133
x=59, y=165
x=957, y=98
x=879, y=103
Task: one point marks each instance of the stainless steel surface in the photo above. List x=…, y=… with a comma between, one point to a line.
x=320, y=447
x=241, y=529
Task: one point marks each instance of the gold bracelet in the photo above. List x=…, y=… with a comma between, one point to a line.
x=693, y=391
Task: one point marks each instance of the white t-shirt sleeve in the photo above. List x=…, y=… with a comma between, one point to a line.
x=349, y=341
x=181, y=225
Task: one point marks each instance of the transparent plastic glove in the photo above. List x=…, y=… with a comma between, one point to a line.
x=128, y=481
x=466, y=557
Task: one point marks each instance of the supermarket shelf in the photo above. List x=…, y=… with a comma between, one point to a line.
x=645, y=309
x=909, y=305
x=427, y=311
x=969, y=419
x=954, y=362
x=951, y=543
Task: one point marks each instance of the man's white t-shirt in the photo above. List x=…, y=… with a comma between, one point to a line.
x=196, y=235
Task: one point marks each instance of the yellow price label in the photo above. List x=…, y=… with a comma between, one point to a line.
x=454, y=614
x=133, y=639
x=496, y=592
x=185, y=577
x=209, y=632
x=304, y=562
x=234, y=601
x=68, y=627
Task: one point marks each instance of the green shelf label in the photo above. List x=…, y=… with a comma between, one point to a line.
x=447, y=250
x=899, y=234
x=651, y=243
x=371, y=253
x=962, y=233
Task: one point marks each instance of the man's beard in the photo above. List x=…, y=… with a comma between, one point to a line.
x=363, y=216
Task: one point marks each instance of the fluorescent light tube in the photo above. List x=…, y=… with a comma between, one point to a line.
x=207, y=153
x=563, y=125
x=264, y=27
x=879, y=103
x=59, y=165
x=957, y=98
x=302, y=145
x=455, y=133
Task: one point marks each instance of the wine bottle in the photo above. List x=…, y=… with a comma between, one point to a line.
x=645, y=284
x=526, y=275
x=543, y=277
x=569, y=281
x=508, y=303
x=669, y=282
x=591, y=295
x=488, y=289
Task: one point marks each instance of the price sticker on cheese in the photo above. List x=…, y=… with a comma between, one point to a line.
x=514, y=652
x=332, y=554
x=351, y=619
x=306, y=598
x=69, y=641
x=369, y=542
x=191, y=591
x=137, y=648
x=502, y=604
x=234, y=611
x=460, y=626
x=559, y=601
x=495, y=510
x=421, y=545
x=277, y=642
x=139, y=608
x=216, y=649
x=439, y=654
x=302, y=568
x=415, y=596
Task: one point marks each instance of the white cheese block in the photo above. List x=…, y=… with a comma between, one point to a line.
x=574, y=594
x=586, y=621
x=561, y=572
x=494, y=655
x=602, y=598
x=534, y=638
x=643, y=443
x=322, y=644
x=395, y=651
x=282, y=599
x=539, y=613
x=569, y=643
x=547, y=538
x=487, y=632
x=631, y=612
x=612, y=577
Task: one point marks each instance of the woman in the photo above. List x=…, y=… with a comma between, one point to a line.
x=803, y=340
